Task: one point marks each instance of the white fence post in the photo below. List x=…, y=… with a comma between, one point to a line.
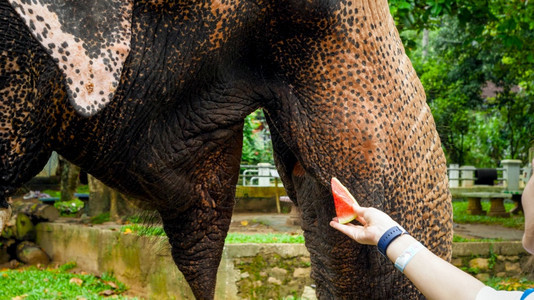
x=454, y=175
x=264, y=174
x=468, y=175
x=511, y=173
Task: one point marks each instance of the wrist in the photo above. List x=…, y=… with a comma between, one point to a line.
x=388, y=237
x=399, y=245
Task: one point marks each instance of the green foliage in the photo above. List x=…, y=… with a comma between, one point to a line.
x=257, y=146
x=69, y=207
x=460, y=215
x=509, y=284
x=101, y=218
x=50, y=283
x=473, y=43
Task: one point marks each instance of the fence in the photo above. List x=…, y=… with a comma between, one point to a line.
x=511, y=176
x=262, y=174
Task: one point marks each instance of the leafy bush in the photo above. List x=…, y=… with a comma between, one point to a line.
x=69, y=207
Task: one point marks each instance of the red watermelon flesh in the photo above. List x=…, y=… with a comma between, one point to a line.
x=343, y=201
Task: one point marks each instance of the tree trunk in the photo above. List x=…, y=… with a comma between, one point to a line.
x=99, y=197
x=69, y=180
x=103, y=199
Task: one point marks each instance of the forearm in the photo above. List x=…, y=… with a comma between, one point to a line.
x=528, y=208
x=433, y=276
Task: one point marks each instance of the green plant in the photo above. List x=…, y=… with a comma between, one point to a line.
x=143, y=230
x=67, y=267
x=57, y=283
x=101, y=218
x=509, y=284
x=69, y=207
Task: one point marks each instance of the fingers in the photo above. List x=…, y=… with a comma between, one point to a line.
x=348, y=229
x=356, y=232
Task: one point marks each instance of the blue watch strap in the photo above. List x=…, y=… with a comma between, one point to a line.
x=388, y=237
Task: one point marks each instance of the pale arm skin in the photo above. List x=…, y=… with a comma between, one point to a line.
x=527, y=200
x=426, y=270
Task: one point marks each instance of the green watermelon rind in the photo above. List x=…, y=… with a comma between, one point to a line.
x=347, y=220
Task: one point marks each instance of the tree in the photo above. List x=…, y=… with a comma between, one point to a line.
x=476, y=43
x=257, y=146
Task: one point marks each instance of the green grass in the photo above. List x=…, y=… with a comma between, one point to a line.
x=459, y=239
x=143, y=230
x=460, y=215
x=231, y=238
x=101, y=218
x=264, y=238
x=57, y=283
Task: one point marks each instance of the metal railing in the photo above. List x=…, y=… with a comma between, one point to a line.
x=262, y=174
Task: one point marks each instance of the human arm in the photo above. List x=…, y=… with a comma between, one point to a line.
x=527, y=200
x=433, y=276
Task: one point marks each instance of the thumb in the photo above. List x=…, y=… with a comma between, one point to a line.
x=360, y=211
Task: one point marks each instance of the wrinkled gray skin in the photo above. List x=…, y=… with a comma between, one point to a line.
x=165, y=126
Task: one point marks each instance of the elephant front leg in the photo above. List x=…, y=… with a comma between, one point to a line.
x=197, y=238
x=197, y=233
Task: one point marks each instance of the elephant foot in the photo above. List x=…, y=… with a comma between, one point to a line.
x=197, y=238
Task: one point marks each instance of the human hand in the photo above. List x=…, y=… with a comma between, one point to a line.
x=374, y=223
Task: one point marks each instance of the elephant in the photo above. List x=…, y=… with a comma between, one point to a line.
x=150, y=97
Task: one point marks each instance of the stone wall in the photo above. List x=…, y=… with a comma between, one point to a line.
x=498, y=259
x=247, y=271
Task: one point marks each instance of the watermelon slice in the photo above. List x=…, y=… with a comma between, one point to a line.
x=343, y=201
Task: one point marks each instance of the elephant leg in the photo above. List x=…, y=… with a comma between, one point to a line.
x=339, y=264
x=26, y=76
x=197, y=233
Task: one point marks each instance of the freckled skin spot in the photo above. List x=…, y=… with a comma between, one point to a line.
x=340, y=95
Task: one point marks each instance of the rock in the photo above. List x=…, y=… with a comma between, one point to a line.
x=12, y=264
x=305, y=259
x=512, y=267
x=457, y=262
x=528, y=267
x=301, y=272
x=24, y=228
x=308, y=293
x=245, y=275
x=278, y=272
x=31, y=254
x=273, y=280
x=483, y=276
x=263, y=274
x=479, y=263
